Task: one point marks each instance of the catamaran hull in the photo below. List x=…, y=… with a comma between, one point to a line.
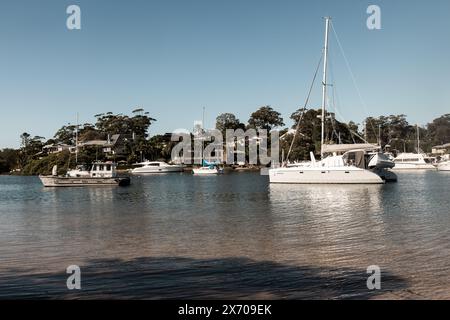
x=444, y=166
x=52, y=181
x=323, y=176
x=386, y=175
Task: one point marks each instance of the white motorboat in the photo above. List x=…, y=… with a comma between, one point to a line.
x=355, y=166
x=444, y=165
x=412, y=161
x=101, y=174
x=156, y=167
x=207, y=170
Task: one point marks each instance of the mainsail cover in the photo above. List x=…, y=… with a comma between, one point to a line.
x=330, y=148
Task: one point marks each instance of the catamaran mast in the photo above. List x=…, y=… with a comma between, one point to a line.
x=418, y=139
x=324, y=84
x=76, y=142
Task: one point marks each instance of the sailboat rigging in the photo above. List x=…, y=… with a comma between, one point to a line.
x=359, y=163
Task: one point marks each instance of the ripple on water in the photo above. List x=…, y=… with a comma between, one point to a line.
x=201, y=227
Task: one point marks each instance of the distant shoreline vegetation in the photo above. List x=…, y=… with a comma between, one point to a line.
x=124, y=139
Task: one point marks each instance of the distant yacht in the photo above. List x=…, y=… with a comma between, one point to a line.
x=207, y=168
x=412, y=161
x=357, y=165
x=156, y=167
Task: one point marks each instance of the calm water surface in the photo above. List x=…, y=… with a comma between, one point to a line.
x=229, y=236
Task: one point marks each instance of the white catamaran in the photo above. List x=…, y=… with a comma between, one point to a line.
x=359, y=163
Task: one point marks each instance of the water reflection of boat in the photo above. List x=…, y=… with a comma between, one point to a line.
x=101, y=174
x=336, y=220
x=334, y=195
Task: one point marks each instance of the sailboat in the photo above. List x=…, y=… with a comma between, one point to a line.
x=359, y=163
x=207, y=168
x=80, y=171
x=413, y=161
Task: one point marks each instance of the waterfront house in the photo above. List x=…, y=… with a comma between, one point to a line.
x=57, y=148
x=115, y=144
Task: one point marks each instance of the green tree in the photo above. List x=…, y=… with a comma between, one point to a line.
x=30, y=147
x=8, y=160
x=438, y=131
x=226, y=121
x=265, y=118
x=110, y=123
x=66, y=135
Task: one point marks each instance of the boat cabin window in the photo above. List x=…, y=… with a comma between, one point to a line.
x=355, y=159
x=101, y=167
x=154, y=164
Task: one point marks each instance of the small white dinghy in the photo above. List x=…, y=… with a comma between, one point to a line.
x=101, y=174
x=207, y=168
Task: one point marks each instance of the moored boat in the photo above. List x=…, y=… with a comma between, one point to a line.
x=444, y=165
x=156, y=167
x=101, y=174
x=412, y=161
x=356, y=164
x=207, y=168
x=353, y=167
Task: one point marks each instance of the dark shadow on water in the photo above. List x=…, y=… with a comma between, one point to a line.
x=187, y=278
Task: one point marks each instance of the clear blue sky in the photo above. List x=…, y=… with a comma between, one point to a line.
x=174, y=57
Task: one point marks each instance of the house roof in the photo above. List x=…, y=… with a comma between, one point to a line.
x=106, y=143
x=48, y=146
x=94, y=143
